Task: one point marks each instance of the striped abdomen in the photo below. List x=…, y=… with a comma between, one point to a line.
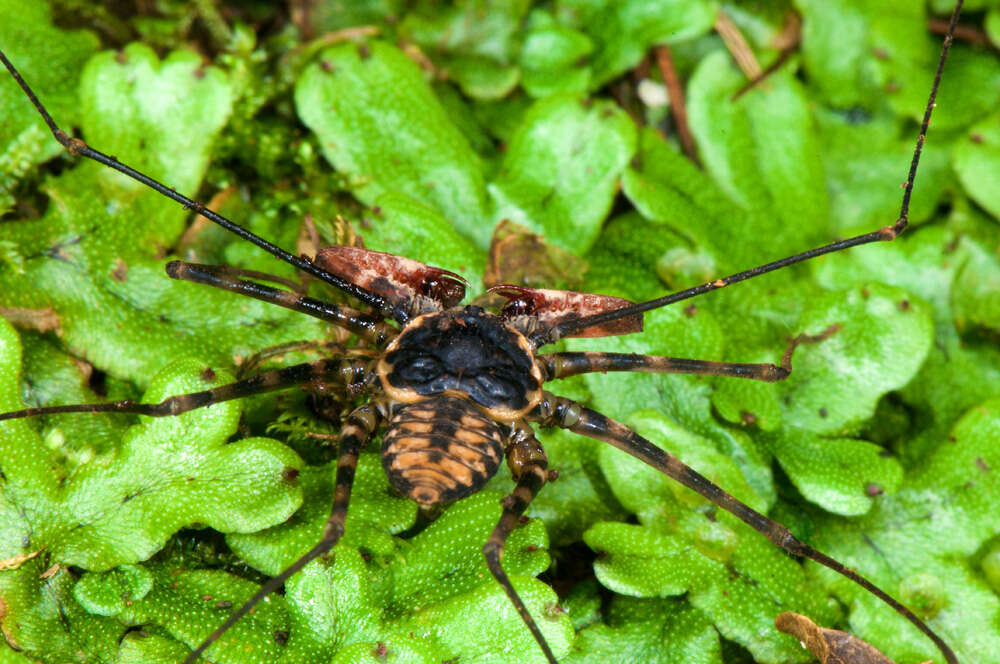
x=441, y=449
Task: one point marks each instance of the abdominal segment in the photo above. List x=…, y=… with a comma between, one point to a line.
x=441, y=449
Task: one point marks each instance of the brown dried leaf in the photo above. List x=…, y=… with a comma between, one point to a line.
x=830, y=646
x=16, y=561
x=520, y=257
x=41, y=320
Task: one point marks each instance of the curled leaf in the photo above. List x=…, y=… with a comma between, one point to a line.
x=830, y=646
x=518, y=256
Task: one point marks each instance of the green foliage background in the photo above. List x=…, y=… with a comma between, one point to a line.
x=424, y=130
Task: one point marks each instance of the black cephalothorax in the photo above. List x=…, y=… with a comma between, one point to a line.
x=457, y=389
x=465, y=351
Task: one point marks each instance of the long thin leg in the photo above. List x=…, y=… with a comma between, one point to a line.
x=567, y=414
x=884, y=234
x=242, y=273
x=279, y=379
x=251, y=365
x=358, y=429
x=365, y=326
x=528, y=462
x=77, y=146
x=563, y=365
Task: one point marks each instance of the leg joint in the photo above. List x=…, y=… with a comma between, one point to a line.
x=493, y=551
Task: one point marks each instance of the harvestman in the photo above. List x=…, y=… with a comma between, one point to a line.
x=458, y=388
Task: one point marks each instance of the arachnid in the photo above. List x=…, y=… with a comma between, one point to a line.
x=459, y=388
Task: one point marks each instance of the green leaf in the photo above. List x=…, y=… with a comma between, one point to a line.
x=762, y=151
x=333, y=612
x=667, y=188
x=881, y=339
x=970, y=91
x=624, y=31
x=551, y=58
x=992, y=26
x=458, y=623
x=146, y=648
x=561, y=170
x=487, y=29
x=580, y=497
x=106, y=593
x=446, y=558
x=481, y=78
x=124, y=508
x=953, y=488
x=748, y=403
x=375, y=514
x=47, y=56
x=340, y=14
x=647, y=492
x=854, y=49
x=976, y=294
x=166, y=141
x=41, y=616
x=954, y=379
x=188, y=604
x=864, y=163
x=671, y=553
x=379, y=122
x=650, y=630
x=841, y=474
x=977, y=162
x=99, y=272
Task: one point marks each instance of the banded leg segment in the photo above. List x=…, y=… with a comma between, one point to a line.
x=567, y=414
x=359, y=428
x=563, y=365
x=528, y=463
x=367, y=327
x=243, y=273
x=279, y=379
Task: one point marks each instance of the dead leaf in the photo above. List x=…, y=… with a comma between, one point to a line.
x=41, y=320
x=16, y=561
x=520, y=257
x=830, y=646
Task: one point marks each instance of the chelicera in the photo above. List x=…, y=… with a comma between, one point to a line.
x=457, y=388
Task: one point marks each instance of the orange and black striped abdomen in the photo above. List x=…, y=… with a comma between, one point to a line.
x=441, y=449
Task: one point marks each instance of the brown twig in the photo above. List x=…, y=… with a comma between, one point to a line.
x=964, y=32
x=771, y=68
x=790, y=35
x=738, y=46
x=300, y=15
x=665, y=61
x=786, y=41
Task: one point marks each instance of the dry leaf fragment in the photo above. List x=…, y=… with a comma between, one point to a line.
x=830, y=646
x=16, y=561
x=40, y=320
x=518, y=256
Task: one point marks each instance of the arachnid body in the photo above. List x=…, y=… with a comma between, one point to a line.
x=453, y=389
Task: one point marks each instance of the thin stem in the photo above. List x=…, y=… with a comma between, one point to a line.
x=665, y=62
